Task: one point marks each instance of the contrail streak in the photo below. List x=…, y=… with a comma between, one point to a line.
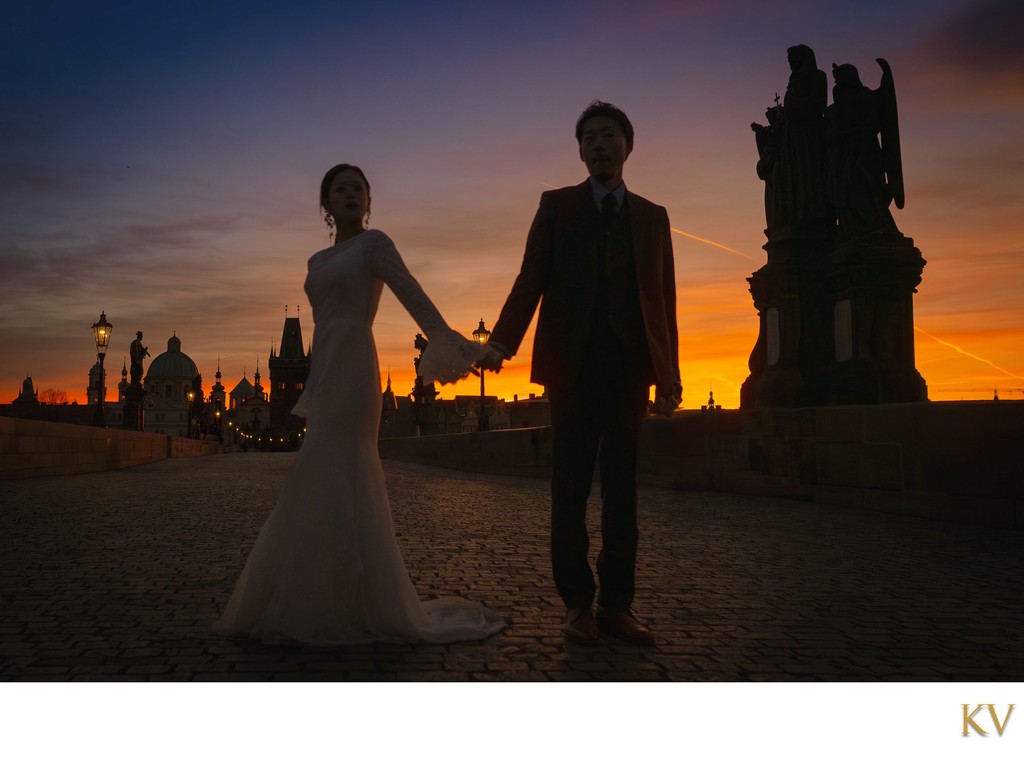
x=714, y=244
x=969, y=355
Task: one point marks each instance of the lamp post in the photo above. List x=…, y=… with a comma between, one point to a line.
x=101, y=332
x=191, y=399
x=481, y=335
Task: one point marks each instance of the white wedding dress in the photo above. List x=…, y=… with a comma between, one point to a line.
x=326, y=568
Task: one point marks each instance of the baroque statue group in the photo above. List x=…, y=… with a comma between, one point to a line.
x=835, y=298
x=824, y=164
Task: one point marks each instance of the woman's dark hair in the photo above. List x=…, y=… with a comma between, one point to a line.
x=325, y=185
x=598, y=108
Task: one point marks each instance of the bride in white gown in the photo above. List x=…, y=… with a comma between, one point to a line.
x=326, y=568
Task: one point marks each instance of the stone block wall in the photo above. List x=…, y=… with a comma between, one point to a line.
x=958, y=461
x=950, y=461
x=44, y=448
x=513, y=452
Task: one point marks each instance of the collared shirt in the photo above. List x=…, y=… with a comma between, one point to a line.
x=599, y=192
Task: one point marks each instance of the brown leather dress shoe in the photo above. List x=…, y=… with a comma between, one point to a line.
x=581, y=627
x=624, y=626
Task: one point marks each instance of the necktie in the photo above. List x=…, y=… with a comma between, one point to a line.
x=609, y=206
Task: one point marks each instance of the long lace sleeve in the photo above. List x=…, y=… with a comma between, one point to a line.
x=449, y=356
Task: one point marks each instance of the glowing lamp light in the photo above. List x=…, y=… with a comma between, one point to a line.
x=480, y=334
x=101, y=331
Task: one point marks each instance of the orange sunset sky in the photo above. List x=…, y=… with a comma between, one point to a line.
x=162, y=166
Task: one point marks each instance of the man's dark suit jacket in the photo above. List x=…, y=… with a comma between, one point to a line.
x=561, y=266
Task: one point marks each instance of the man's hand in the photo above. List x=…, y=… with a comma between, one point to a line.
x=491, y=360
x=667, y=400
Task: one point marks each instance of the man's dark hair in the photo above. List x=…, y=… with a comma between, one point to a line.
x=598, y=108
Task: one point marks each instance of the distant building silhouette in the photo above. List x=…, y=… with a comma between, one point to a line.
x=250, y=416
x=424, y=413
x=29, y=396
x=396, y=414
x=124, y=385
x=92, y=390
x=167, y=383
x=289, y=371
x=218, y=393
x=27, y=405
x=249, y=412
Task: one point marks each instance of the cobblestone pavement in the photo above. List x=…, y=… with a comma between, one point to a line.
x=118, y=577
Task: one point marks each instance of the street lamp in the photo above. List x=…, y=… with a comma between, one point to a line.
x=481, y=335
x=191, y=398
x=101, y=332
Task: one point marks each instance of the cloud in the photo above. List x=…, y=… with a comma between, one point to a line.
x=982, y=37
x=658, y=13
x=976, y=51
x=49, y=182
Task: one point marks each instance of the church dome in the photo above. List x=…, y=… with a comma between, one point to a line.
x=173, y=364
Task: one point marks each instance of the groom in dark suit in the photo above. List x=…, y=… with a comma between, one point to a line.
x=599, y=260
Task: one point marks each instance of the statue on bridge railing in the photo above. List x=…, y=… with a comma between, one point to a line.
x=138, y=352
x=791, y=152
x=834, y=299
x=864, y=167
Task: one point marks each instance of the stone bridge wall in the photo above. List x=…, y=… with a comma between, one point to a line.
x=953, y=461
x=43, y=448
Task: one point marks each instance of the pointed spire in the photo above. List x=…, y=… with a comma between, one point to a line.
x=388, y=400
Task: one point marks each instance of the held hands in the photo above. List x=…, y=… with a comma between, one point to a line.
x=491, y=359
x=666, y=401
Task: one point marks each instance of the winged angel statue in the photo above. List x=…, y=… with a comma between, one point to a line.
x=864, y=169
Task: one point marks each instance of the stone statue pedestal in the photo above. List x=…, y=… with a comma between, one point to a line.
x=134, y=415
x=791, y=348
x=871, y=284
x=836, y=323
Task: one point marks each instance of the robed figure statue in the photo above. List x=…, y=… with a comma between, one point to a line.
x=864, y=169
x=791, y=152
x=138, y=353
